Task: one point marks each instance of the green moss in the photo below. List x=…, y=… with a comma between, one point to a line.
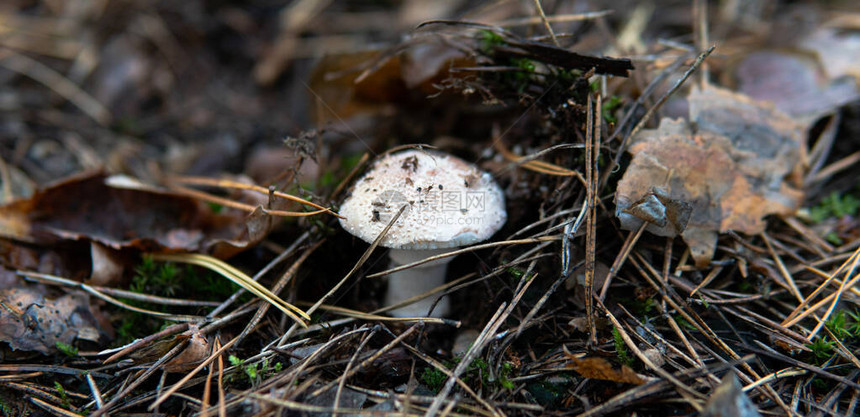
x=838, y=325
x=822, y=349
x=833, y=238
x=255, y=372
x=517, y=80
x=67, y=350
x=155, y=278
x=433, y=378
x=215, y=207
x=250, y=370
x=835, y=205
x=476, y=373
x=504, y=375
x=515, y=272
x=621, y=348
x=641, y=307
x=609, y=108
x=489, y=40
x=134, y=325
x=167, y=279
x=854, y=327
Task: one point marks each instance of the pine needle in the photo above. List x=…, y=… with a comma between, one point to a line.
x=228, y=271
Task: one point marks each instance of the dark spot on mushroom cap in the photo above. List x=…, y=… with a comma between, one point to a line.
x=440, y=186
x=410, y=163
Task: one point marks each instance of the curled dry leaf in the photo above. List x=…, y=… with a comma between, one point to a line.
x=123, y=214
x=599, y=368
x=31, y=322
x=737, y=162
x=197, y=351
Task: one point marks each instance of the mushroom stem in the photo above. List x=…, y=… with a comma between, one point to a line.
x=416, y=281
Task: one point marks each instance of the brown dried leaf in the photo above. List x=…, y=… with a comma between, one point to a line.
x=347, y=88
x=739, y=161
x=107, y=265
x=793, y=82
x=333, y=82
x=31, y=322
x=838, y=50
x=123, y=216
x=197, y=351
x=599, y=368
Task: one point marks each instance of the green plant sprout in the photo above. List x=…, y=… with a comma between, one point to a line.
x=684, y=323
x=250, y=370
x=255, y=373
x=515, y=272
x=504, y=375
x=64, y=399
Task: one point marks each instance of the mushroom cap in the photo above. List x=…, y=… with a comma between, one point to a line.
x=450, y=202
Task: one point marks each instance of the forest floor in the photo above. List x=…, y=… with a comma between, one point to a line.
x=680, y=179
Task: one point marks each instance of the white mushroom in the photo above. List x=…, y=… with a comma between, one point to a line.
x=449, y=203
